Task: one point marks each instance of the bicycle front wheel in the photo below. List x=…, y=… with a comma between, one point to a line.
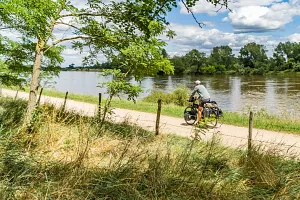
x=190, y=115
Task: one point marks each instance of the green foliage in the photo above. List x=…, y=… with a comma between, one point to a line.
x=119, y=85
x=195, y=59
x=222, y=55
x=296, y=67
x=18, y=58
x=252, y=53
x=178, y=97
x=209, y=69
x=11, y=112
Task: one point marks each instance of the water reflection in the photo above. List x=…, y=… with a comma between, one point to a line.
x=275, y=94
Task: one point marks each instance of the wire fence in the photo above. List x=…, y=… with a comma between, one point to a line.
x=162, y=126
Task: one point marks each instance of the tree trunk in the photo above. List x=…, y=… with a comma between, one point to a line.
x=34, y=81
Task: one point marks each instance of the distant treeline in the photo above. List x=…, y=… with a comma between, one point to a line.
x=251, y=59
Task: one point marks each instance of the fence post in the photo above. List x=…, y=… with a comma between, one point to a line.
x=64, y=106
x=16, y=96
x=99, y=105
x=39, y=99
x=250, y=133
x=158, y=117
x=0, y=88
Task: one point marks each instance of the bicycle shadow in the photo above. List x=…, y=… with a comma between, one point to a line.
x=184, y=124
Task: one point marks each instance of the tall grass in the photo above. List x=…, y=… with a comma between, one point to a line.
x=65, y=158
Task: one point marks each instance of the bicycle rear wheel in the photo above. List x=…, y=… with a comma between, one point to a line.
x=212, y=121
x=190, y=115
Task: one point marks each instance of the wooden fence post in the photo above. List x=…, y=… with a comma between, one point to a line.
x=39, y=99
x=158, y=117
x=99, y=105
x=64, y=106
x=250, y=133
x=0, y=88
x=16, y=96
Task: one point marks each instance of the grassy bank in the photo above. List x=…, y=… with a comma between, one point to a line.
x=262, y=120
x=66, y=156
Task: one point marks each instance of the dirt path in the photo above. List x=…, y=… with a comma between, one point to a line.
x=232, y=136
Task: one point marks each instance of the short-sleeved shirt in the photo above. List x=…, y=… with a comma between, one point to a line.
x=202, y=92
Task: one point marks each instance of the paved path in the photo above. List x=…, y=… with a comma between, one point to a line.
x=231, y=136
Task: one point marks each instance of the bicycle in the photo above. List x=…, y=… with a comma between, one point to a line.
x=210, y=113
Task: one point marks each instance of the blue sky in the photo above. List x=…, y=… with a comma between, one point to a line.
x=267, y=22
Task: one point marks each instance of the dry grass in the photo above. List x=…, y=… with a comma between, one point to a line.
x=63, y=157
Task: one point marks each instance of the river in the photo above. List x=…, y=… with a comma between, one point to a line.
x=275, y=94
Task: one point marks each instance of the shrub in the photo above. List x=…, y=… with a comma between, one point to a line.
x=178, y=97
x=296, y=67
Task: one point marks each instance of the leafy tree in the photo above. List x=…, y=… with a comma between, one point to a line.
x=179, y=64
x=196, y=59
x=16, y=65
x=222, y=55
x=164, y=53
x=129, y=29
x=286, y=54
x=252, y=53
x=209, y=69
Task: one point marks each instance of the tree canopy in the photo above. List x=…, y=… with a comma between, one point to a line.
x=125, y=31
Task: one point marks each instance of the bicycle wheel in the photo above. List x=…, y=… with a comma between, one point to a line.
x=212, y=121
x=190, y=115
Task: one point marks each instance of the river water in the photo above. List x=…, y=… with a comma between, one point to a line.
x=275, y=94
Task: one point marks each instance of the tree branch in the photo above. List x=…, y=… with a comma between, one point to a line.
x=79, y=15
x=190, y=11
x=70, y=25
x=3, y=28
x=65, y=39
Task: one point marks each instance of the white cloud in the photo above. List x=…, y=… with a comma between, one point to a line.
x=192, y=37
x=225, y=19
x=253, y=15
x=241, y=3
x=262, y=18
x=295, y=37
x=202, y=6
x=208, y=23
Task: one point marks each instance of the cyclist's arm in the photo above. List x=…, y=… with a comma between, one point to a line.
x=194, y=92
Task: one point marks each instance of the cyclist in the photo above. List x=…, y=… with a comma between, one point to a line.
x=204, y=97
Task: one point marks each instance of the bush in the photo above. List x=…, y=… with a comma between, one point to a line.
x=178, y=97
x=296, y=67
x=209, y=69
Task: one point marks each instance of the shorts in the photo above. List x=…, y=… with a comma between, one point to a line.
x=204, y=101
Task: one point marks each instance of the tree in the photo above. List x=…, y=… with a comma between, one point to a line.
x=179, y=64
x=252, y=54
x=194, y=58
x=17, y=61
x=286, y=55
x=222, y=55
x=128, y=28
x=164, y=53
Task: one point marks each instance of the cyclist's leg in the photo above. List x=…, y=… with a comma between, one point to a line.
x=200, y=108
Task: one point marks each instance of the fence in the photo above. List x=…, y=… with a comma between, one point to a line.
x=157, y=125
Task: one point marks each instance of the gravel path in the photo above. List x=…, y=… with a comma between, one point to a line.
x=231, y=136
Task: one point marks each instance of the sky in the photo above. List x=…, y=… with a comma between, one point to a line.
x=266, y=22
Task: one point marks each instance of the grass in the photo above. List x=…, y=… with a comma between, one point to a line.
x=65, y=157
x=262, y=119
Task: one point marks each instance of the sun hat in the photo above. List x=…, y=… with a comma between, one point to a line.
x=197, y=82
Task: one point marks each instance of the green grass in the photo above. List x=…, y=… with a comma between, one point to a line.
x=262, y=120
x=66, y=158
